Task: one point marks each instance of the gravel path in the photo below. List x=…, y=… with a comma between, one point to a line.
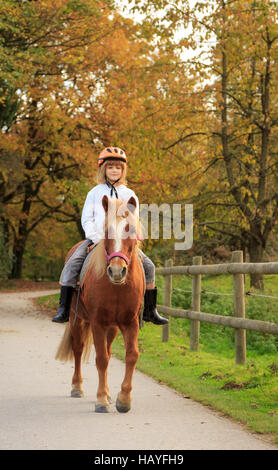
x=37, y=413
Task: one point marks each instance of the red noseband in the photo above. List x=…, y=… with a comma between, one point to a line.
x=116, y=254
x=119, y=254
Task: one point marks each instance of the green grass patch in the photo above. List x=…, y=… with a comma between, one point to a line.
x=217, y=298
x=49, y=301
x=248, y=393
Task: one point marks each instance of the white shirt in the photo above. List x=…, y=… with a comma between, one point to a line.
x=93, y=214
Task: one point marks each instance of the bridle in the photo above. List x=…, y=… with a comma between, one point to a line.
x=119, y=254
x=116, y=254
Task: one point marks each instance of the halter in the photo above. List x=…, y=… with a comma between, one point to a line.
x=119, y=254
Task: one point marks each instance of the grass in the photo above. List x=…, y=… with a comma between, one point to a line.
x=246, y=393
x=49, y=301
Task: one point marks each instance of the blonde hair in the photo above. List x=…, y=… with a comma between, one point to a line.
x=101, y=172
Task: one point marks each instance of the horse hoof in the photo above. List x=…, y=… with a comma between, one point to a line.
x=77, y=393
x=101, y=409
x=109, y=398
x=121, y=407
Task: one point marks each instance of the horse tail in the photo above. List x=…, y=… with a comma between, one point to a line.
x=88, y=341
x=65, y=350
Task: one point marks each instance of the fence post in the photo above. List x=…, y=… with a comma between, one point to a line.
x=239, y=309
x=167, y=299
x=195, y=305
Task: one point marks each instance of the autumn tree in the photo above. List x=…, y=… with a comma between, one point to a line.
x=42, y=47
x=235, y=46
x=91, y=81
x=245, y=94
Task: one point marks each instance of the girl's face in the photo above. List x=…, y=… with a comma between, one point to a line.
x=113, y=171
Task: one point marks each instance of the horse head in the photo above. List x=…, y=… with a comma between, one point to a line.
x=121, y=236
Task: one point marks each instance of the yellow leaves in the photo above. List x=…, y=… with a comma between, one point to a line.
x=246, y=192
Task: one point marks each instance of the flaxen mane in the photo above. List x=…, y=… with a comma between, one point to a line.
x=98, y=260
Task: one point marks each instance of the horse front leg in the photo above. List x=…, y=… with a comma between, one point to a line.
x=102, y=360
x=111, y=334
x=130, y=334
x=77, y=346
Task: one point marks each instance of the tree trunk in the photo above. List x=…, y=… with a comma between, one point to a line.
x=18, y=252
x=80, y=229
x=18, y=249
x=256, y=251
x=22, y=235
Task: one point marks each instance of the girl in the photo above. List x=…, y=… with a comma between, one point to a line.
x=111, y=176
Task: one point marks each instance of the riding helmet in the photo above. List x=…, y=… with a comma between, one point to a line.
x=111, y=153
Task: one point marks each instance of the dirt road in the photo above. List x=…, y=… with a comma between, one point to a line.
x=36, y=411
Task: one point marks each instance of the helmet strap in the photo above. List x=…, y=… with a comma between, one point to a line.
x=112, y=187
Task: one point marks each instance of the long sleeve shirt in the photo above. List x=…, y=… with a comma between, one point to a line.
x=93, y=214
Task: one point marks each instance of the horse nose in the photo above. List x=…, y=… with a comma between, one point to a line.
x=124, y=270
x=110, y=272
x=117, y=273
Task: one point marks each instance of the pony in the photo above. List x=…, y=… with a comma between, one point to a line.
x=110, y=300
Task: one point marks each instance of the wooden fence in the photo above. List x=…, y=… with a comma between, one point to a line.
x=237, y=269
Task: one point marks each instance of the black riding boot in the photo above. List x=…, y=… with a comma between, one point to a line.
x=64, y=304
x=150, y=313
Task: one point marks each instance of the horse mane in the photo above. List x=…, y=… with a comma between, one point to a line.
x=98, y=259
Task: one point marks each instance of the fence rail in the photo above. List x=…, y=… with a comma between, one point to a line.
x=236, y=268
x=229, y=268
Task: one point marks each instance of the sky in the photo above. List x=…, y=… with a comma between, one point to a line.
x=124, y=6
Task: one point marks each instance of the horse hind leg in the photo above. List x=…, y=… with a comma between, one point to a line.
x=81, y=343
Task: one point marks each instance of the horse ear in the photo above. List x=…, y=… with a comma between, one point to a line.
x=131, y=204
x=105, y=203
